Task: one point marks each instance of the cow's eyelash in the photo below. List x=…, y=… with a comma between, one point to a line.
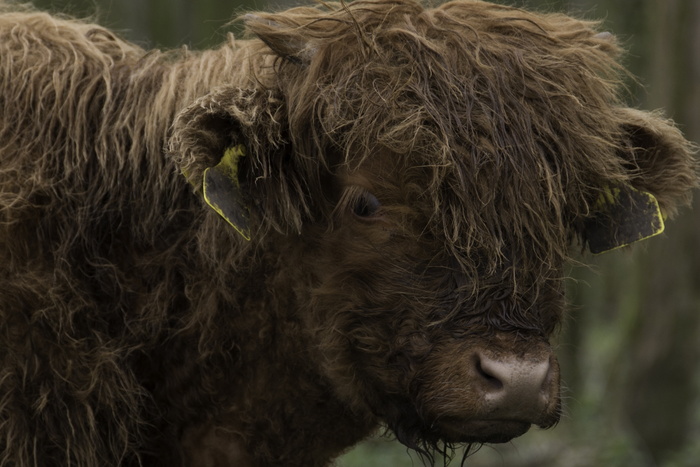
x=358, y=201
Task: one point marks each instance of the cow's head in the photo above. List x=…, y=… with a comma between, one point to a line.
x=430, y=170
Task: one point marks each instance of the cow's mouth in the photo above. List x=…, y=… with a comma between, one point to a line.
x=480, y=431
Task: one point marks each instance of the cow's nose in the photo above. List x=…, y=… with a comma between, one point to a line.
x=515, y=388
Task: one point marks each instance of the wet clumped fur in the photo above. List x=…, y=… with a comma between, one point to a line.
x=416, y=179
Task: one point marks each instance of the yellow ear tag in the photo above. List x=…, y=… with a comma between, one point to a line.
x=623, y=215
x=222, y=191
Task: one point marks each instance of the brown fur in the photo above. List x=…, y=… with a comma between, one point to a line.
x=137, y=327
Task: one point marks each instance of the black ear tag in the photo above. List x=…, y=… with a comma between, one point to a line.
x=623, y=215
x=223, y=193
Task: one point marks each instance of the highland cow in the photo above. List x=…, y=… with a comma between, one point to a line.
x=395, y=192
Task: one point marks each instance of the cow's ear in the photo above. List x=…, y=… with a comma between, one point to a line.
x=661, y=171
x=660, y=160
x=231, y=147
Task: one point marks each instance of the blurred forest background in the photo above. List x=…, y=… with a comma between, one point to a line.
x=630, y=348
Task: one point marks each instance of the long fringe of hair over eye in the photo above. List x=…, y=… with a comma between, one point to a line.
x=512, y=117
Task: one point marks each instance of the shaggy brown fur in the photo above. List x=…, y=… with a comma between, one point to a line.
x=415, y=179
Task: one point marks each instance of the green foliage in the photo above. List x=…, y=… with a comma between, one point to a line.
x=378, y=452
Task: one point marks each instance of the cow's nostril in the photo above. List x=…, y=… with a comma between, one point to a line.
x=489, y=376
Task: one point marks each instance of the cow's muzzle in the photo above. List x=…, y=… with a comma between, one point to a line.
x=508, y=393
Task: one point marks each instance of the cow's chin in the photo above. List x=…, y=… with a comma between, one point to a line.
x=454, y=430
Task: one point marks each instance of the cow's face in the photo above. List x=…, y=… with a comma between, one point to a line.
x=433, y=168
x=431, y=335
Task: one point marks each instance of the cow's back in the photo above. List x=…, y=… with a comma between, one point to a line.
x=87, y=209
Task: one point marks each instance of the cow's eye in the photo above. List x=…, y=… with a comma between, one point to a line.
x=366, y=205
